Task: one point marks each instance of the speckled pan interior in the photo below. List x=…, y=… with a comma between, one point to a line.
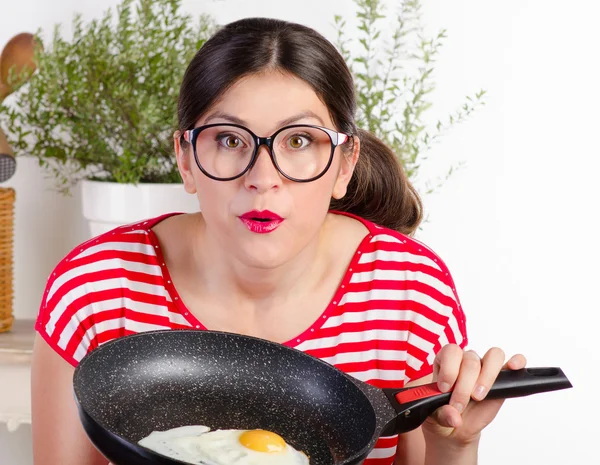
x=158, y=380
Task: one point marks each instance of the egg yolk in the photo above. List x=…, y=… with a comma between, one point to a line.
x=260, y=440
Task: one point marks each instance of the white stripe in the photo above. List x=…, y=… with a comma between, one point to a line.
x=382, y=453
x=386, y=238
x=370, y=335
x=454, y=327
x=375, y=354
x=387, y=315
x=403, y=275
x=384, y=255
x=135, y=247
x=116, y=323
x=443, y=341
x=99, y=286
x=366, y=356
x=178, y=318
x=382, y=375
x=362, y=336
x=137, y=231
x=102, y=265
x=415, y=363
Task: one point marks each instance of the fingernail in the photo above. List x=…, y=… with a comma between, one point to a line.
x=444, y=387
x=460, y=407
x=479, y=391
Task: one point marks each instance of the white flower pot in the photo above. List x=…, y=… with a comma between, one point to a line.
x=107, y=205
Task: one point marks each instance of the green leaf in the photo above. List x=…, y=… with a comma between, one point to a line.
x=102, y=103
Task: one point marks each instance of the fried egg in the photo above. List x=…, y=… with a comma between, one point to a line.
x=199, y=445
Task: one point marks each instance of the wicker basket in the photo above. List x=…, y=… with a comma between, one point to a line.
x=7, y=204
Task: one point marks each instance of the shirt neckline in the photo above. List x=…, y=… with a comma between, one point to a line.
x=308, y=333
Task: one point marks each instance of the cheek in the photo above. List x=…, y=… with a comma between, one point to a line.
x=215, y=197
x=312, y=199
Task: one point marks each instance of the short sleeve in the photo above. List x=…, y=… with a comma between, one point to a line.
x=446, y=310
x=65, y=319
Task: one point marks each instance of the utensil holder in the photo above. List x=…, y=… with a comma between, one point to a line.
x=7, y=210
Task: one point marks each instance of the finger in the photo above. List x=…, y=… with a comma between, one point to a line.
x=491, y=364
x=448, y=417
x=448, y=361
x=516, y=362
x=470, y=369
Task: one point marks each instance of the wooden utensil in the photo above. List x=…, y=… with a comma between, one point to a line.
x=18, y=53
x=4, y=91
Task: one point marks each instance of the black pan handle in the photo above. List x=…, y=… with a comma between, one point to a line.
x=415, y=404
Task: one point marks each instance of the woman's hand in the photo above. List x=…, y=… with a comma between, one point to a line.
x=471, y=377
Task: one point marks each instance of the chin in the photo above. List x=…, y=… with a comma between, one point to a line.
x=264, y=256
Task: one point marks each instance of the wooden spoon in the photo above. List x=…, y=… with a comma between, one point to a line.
x=4, y=91
x=18, y=53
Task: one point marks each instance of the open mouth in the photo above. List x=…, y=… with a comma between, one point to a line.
x=261, y=221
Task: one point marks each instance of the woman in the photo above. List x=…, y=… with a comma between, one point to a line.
x=303, y=240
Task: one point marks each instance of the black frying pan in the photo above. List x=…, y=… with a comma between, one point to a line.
x=158, y=380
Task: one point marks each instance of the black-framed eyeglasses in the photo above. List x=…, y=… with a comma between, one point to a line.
x=300, y=152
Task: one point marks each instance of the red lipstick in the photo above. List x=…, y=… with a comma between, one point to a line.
x=261, y=222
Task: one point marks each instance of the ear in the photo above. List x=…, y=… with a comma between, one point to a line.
x=185, y=159
x=346, y=171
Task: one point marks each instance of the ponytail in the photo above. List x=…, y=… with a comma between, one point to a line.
x=379, y=190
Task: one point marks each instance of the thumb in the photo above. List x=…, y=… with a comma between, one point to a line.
x=446, y=417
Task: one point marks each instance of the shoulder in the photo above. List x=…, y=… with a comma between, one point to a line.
x=404, y=268
x=124, y=244
x=388, y=245
x=100, y=275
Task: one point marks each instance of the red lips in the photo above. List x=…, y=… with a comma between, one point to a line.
x=265, y=215
x=261, y=222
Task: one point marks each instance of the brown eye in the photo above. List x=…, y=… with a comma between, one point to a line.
x=232, y=142
x=296, y=142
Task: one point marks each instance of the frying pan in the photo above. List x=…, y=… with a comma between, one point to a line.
x=158, y=380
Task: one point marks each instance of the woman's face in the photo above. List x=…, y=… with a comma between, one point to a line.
x=264, y=103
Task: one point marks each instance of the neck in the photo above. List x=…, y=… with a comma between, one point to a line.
x=250, y=287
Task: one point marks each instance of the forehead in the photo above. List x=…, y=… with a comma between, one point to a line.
x=263, y=101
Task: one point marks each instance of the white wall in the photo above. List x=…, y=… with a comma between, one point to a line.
x=517, y=226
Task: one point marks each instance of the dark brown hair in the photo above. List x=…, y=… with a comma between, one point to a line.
x=379, y=190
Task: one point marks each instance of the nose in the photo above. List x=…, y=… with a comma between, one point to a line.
x=263, y=175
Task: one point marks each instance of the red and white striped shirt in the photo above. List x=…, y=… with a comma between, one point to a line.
x=394, y=309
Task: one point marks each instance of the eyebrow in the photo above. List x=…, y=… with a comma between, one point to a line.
x=285, y=122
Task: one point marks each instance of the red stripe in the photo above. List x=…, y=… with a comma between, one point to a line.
x=104, y=275
x=440, y=275
x=366, y=346
x=383, y=365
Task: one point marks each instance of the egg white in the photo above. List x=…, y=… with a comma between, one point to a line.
x=199, y=446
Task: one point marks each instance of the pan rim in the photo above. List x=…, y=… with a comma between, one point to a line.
x=359, y=455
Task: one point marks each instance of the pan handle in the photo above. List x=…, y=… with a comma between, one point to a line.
x=415, y=404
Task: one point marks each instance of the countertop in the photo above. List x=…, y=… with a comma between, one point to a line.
x=16, y=348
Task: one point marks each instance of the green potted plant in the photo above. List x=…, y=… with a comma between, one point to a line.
x=101, y=110
x=392, y=60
